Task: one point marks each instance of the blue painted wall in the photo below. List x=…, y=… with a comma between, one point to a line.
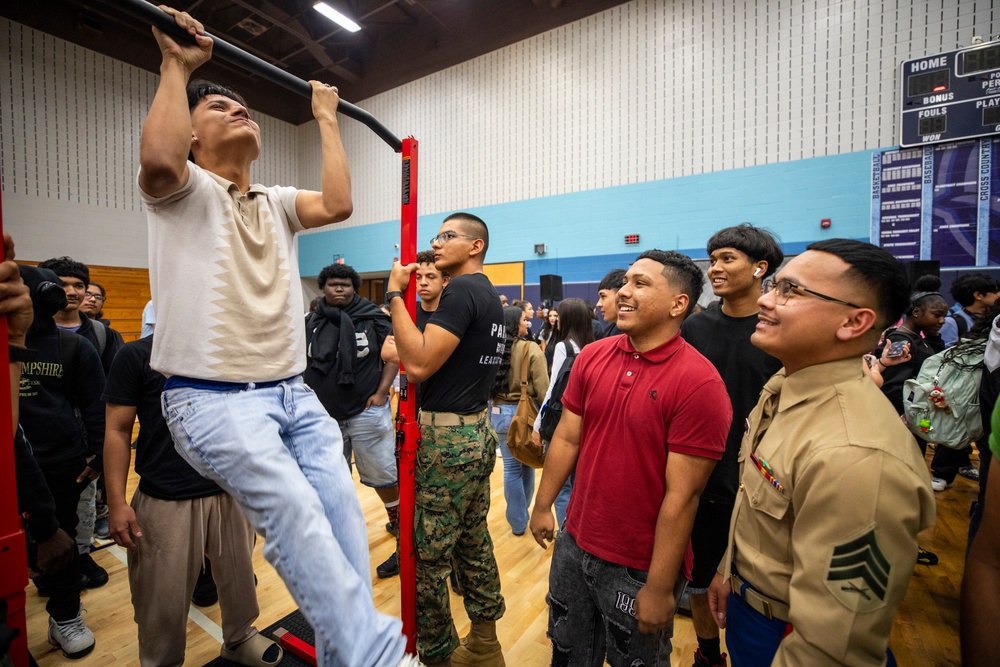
x=584, y=231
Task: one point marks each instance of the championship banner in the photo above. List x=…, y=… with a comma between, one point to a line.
x=938, y=202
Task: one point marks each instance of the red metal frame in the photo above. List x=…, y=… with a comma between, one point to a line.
x=292, y=644
x=13, y=558
x=407, y=429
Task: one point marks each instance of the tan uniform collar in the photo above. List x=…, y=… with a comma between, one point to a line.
x=814, y=381
x=229, y=186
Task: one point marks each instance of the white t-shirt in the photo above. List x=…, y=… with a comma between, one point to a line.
x=225, y=281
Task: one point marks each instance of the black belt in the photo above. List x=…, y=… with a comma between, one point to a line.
x=177, y=381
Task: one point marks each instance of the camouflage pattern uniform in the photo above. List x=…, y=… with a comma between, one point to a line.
x=453, y=498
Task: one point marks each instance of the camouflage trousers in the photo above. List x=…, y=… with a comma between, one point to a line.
x=453, y=498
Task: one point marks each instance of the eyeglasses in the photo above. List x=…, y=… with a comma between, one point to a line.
x=444, y=237
x=95, y=297
x=784, y=287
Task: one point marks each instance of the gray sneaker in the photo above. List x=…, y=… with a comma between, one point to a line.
x=72, y=636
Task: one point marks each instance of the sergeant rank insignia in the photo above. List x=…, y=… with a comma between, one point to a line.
x=858, y=573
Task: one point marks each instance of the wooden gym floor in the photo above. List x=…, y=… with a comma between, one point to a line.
x=925, y=632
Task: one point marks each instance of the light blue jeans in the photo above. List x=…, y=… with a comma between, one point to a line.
x=562, y=500
x=280, y=455
x=518, y=478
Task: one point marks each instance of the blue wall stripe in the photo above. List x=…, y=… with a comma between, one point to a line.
x=585, y=231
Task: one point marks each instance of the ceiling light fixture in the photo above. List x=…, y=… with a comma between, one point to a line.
x=335, y=16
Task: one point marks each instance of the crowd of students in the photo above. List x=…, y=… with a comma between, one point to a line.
x=743, y=452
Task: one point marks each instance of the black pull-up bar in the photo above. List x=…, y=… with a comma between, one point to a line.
x=153, y=15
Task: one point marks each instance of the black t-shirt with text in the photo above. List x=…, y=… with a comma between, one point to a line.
x=163, y=473
x=745, y=369
x=469, y=309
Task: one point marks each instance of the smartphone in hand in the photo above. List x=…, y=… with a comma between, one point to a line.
x=896, y=349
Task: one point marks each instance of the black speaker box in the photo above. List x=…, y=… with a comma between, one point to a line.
x=550, y=287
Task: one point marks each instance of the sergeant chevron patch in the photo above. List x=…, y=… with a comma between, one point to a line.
x=858, y=573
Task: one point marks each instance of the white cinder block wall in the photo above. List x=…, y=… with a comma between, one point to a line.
x=646, y=91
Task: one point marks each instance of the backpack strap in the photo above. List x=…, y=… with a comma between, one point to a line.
x=101, y=332
x=960, y=324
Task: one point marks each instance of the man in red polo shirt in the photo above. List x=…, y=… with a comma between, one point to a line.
x=645, y=418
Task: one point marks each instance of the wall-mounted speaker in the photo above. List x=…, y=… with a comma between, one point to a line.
x=550, y=287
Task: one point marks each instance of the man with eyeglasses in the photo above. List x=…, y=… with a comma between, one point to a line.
x=93, y=303
x=456, y=357
x=833, y=490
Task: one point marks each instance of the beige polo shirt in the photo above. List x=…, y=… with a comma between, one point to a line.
x=225, y=281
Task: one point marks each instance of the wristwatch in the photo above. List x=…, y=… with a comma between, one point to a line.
x=389, y=296
x=22, y=354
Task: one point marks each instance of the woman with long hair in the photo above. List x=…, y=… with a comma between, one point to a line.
x=547, y=336
x=574, y=332
x=518, y=478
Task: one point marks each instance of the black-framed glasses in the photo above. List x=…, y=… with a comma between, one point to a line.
x=784, y=287
x=95, y=297
x=444, y=237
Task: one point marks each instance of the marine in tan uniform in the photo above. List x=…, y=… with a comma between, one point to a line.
x=833, y=488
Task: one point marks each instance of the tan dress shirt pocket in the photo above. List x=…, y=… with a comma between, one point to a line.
x=772, y=522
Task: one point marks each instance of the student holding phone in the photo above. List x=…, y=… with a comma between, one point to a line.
x=922, y=321
x=892, y=355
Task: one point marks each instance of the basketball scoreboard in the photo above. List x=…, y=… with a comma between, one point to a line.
x=950, y=96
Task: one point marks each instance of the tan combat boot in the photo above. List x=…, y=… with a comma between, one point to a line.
x=446, y=663
x=479, y=648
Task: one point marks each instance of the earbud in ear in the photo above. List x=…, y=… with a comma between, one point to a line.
x=756, y=272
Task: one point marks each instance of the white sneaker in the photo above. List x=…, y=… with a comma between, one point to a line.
x=72, y=636
x=410, y=661
x=939, y=484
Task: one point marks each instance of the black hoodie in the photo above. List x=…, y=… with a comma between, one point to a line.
x=60, y=406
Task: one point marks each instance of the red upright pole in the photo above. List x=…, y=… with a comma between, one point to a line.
x=407, y=428
x=13, y=559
